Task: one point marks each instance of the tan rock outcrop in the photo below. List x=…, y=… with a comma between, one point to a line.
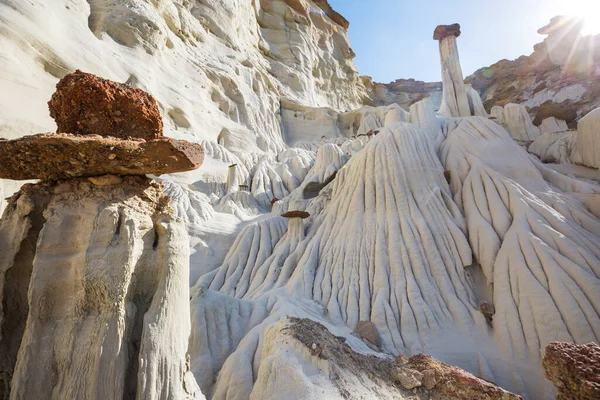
x=64, y=156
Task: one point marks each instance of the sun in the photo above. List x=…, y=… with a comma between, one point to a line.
x=589, y=10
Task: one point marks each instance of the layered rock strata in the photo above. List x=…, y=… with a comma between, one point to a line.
x=64, y=156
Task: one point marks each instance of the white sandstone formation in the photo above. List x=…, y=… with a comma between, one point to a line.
x=544, y=282
x=94, y=287
x=221, y=71
x=475, y=104
x=233, y=183
x=552, y=125
x=496, y=113
x=455, y=102
x=518, y=123
x=557, y=147
x=589, y=138
x=424, y=118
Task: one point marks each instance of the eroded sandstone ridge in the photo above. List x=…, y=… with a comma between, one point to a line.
x=94, y=288
x=63, y=156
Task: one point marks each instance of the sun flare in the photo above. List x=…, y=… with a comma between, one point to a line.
x=589, y=10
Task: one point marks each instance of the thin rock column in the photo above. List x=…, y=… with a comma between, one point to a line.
x=454, y=97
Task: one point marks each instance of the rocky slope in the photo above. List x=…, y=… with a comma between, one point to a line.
x=94, y=288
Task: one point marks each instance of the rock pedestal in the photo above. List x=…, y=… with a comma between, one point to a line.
x=94, y=287
x=454, y=98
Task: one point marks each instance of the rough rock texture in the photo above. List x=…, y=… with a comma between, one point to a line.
x=455, y=384
x=368, y=331
x=443, y=31
x=574, y=369
x=63, y=156
x=85, y=104
x=94, y=289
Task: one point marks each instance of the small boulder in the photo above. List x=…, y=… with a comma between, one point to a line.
x=85, y=104
x=487, y=309
x=429, y=380
x=367, y=330
x=407, y=377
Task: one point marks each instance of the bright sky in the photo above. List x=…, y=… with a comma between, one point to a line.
x=394, y=38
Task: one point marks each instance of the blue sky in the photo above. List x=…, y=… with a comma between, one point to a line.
x=393, y=38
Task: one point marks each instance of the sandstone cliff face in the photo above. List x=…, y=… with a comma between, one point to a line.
x=219, y=70
x=560, y=78
x=94, y=289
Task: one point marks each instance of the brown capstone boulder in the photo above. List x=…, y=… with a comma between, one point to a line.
x=63, y=156
x=295, y=214
x=559, y=111
x=85, y=104
x=574, y=369
x=443, y=31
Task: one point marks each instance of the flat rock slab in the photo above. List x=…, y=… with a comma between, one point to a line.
x=85, y=104
x=63, y=156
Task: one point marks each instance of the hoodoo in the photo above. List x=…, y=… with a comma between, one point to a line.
x=454, y=98
x=94, y=272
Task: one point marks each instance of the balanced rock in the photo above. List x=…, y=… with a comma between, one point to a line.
x=443, y=31
x=85, y=104
x=574, y=369
x=64, y=156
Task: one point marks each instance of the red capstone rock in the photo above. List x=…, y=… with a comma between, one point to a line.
x=443, y=31
x=295, y=214
x=574, y=369
x=65, y=156
x=85, y=104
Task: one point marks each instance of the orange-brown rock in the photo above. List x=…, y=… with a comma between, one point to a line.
x=85, y=104
x=574, y=369
x=64, y=156
x=368, y=331
x=453, y=383
x=295, y=214
x=442, y=31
